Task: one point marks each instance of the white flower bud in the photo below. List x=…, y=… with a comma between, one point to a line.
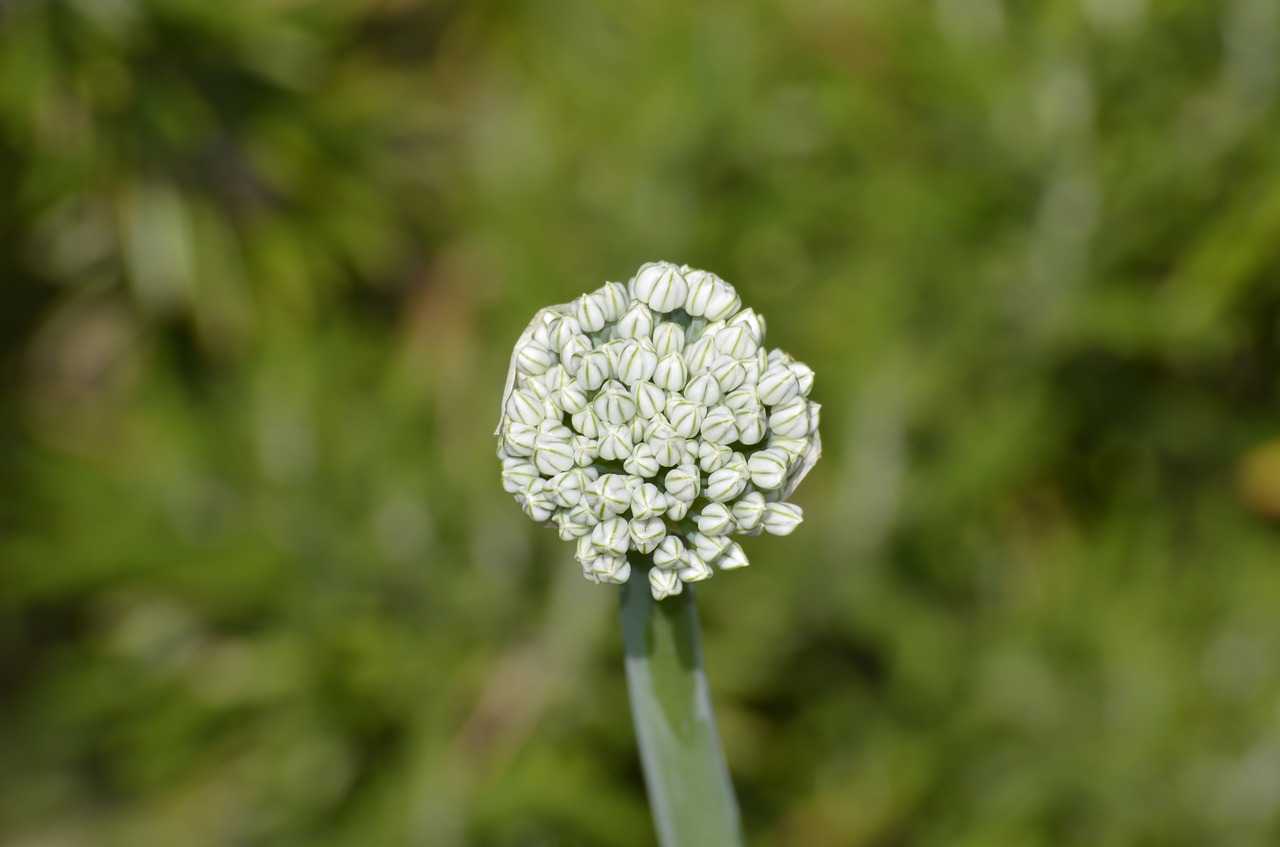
x=735, y=340
x=572, y=398
x=694, y=568
x=685, y=416
x=573, y=351
x=593, y=370
x=781, y=518
x=729, y=372
x=748, y=511
x=565, y=488
x=650, y=400
x=560, y=330
x=535, y=501
x=700, y=355
x=668, y=292
x=611, y=491
x=709, y=547
x=553, y=429
x=615, y=444
x=739, y=399
x=585, y=450
x=753, y=323
x=722, y=303
x=690, y=455
x=555, y=379
x=791, y=419
x=525, y=407
x=646, y=535
x=589, y=311
x=636, y=363
x=668, y=338
x=712, y=457
x=752, y=425
x=670, y=372
x=703, y=390
x=637, y=322
x=642, y=462
x=725, y=484
x=732, y=558
x=586, y=423
x=609, y=567
x=804, y=374
x=648, y=501
x=533, y=358
x=642, y=284
x=715, y=519
x=611, y=536
x=677, y=509
x=667, y=449
x=793, y=447
x=586, y=514
x=614, y=405
x=777, y=385
x=517, y=474
x=553, y=456
x=567, y=529
x=664, y=583
x=702, y=287
x=585, y=549
x=719, y=426
x=815, y=410
x=518, y=439
x=638, y=425
x=768, y=469
x=614, y=297
x=683, y=483
x=669, y=553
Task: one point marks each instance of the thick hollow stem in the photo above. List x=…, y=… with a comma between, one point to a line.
x=684, y=770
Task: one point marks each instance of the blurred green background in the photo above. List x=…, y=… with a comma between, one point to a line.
x=263, y=263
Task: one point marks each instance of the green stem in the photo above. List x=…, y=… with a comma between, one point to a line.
x=684, y=770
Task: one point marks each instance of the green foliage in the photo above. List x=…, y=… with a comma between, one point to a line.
x=264, y=263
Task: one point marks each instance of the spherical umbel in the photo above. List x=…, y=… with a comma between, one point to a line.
x=649, y=417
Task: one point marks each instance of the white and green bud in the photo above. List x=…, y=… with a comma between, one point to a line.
x=752, y=425
x=685, y=416
x=781, y=518
x=585, y=450
x=729, y=372
x=791, y=419
x=712, y=456
x=637, y=323
x=700, y=355
x=533, y=358
x=593, y=370
x=768, y=468
x=586, y=423
x=715, y=519
x=735, y=340
x=560, y=330
x=552, y=456
x=525, y=407
x=648, y=501
x=519, y=439
x=573, y=352
x=615, y=444
x=777, y=385
x=709, y=547
x=670, y=372
x=571, y=398
x=732, y=558
x=694, y=568
x=589, y=311
x=517, y=474
x=678, y=509
x=650, y=400
x=748, y=511
x=669, y=554
x=702, y=287
x=664, y=583
x=536, y=502
x=703, y=390
x=722, y=303
x=719, y=426
x=612, y=536
x=668, y=338
x=683, y=483
x=646, y=535
x=725, y=484
x=642, y=462
x=804, y=374
x=637, y=363
x=612, y=568
x=615, y=404
x=614, y=299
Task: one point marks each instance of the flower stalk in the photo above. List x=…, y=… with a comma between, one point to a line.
x=690, y=793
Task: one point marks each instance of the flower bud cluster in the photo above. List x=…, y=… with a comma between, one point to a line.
x=649, y=417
